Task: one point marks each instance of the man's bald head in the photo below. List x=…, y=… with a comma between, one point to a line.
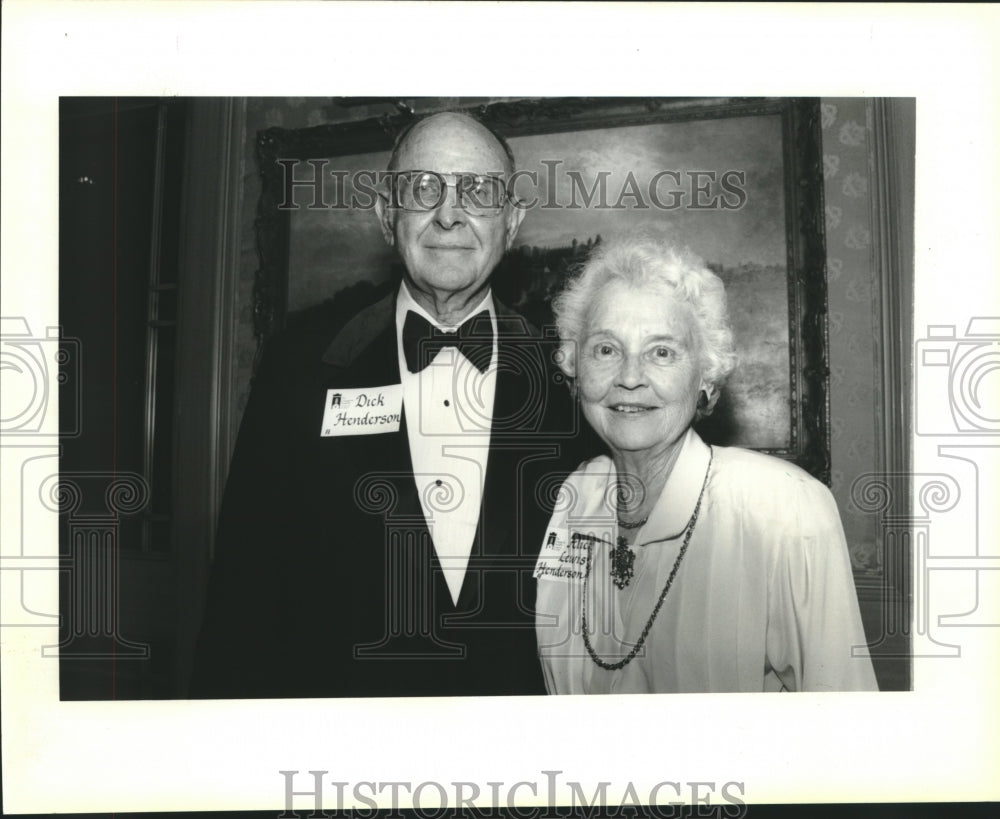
x=450, y=125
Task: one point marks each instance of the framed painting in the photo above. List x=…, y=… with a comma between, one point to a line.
x=737, y=181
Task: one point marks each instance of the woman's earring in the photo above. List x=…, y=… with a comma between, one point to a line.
x=705, y=402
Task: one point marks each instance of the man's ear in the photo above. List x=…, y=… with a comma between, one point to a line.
x=513, y=217
x=386, y=219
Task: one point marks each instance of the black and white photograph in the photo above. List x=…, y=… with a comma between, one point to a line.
x=381, y=517
x=348, y=417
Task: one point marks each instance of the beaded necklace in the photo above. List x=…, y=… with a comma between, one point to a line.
x=663, y=595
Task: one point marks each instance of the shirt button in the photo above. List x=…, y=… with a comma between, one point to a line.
x=447, y=403
x=437, y=482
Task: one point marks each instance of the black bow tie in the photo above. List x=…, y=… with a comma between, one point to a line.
x=422, y=340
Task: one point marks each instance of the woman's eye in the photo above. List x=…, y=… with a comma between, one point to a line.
x=604, y=351
x=663, y=353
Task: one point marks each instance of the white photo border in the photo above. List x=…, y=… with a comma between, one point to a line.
x=936, y=742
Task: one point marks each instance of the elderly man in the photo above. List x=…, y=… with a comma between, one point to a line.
x=387, y=497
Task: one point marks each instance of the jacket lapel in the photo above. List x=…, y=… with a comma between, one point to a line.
x=498, y=516
x=364, y=354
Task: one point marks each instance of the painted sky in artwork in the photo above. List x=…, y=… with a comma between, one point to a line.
x=333, y=248
x=752, y=234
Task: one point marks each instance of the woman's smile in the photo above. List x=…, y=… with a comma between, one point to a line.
x=628, y=409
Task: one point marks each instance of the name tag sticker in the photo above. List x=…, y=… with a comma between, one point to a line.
x=562, y=560
x=363, y=411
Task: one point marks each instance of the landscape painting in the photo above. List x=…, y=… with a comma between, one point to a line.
x=723, y=180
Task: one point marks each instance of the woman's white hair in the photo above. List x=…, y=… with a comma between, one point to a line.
x=646, y=260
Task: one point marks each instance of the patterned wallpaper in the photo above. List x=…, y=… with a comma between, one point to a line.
x=851, y=315
x=849, y=267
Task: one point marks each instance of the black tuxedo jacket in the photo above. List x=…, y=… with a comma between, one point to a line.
x=325, y=581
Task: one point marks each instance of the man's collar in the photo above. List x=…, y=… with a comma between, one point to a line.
x=358, y=334
x=680, y=494
x=405, y=302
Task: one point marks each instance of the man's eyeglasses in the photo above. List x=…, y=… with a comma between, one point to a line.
x=419, y=191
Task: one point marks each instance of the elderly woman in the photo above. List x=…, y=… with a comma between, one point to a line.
x=672, y=565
